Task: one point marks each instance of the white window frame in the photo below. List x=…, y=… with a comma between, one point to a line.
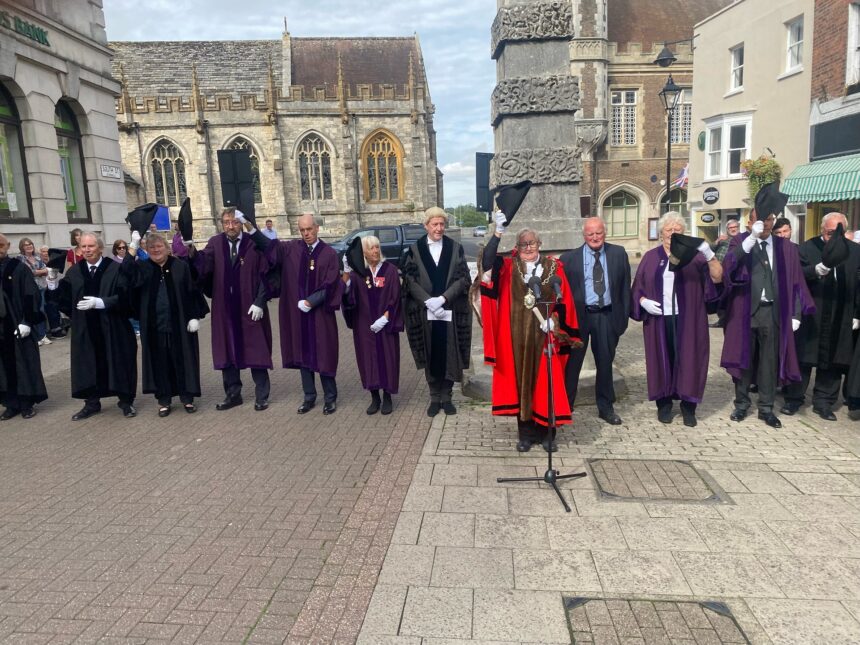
x=736, y=68
x=722, y=153
x=794, y=45
x=682, y=118
x=852, y=59
x=626, y=135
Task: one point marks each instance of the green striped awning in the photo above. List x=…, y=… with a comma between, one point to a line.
x=826, y=180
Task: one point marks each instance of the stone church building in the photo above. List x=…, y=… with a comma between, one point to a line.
x=339, y=127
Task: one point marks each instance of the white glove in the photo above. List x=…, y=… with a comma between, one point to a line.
x=749, y=242
x=435, y=304
x=193, y=326
x=855, y=324
x=500, y=219
x=757, y=228
x=256, y=313
x=91, y=302
x=52, y=285
x=239, y=215
x=856, y=236
x=346, y=267
x=651, y=306
x=705, y=249
x=304, y=306
x=188, y=243
x=547, y=325
x=23, y=330
x=795, y=324
x=378, y=324
x=822, y=270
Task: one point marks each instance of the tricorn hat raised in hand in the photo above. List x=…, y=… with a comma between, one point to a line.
x=141, y=217
x=682, y=250
x=769, y=201
x=835, y=250
x=509, y=197
x=185, y=220
x=57, y=259
x=355, y=257
x=246, y=205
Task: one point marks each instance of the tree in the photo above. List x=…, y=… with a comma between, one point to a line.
x=466, y=215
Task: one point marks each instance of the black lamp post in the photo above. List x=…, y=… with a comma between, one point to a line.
x=669, y=95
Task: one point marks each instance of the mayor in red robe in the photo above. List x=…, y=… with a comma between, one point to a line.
x=515, y=341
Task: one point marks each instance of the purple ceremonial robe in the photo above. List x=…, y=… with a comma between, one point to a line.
x=308, y=340
x=236, y=339
x=178, y=247
x=377, y=354
x=693, y=288
x=736, y=300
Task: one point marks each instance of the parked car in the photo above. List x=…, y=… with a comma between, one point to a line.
x=479, y=231
x=393, y=240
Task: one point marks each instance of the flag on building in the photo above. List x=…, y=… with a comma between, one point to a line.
x=681, y=179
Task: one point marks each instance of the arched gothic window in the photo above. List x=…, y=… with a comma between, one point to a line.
x=315, y=168
x=71, y=163
x=621, y=214
x=381, y=154
x=14, y=190
x=168, y=173
x=240, y=143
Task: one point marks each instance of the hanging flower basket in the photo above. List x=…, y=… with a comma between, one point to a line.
x=759, y=172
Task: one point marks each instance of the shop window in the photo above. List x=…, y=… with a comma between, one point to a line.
x=14, y=191
x=71, y=163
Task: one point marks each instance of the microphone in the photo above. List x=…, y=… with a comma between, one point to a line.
x=555, y=283
x=534, y=285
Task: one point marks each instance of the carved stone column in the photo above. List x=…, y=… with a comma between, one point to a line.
x=533, y=107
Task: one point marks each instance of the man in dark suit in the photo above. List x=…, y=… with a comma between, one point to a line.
x=599, y=275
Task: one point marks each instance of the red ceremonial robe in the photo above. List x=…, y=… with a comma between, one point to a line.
x=501, y=339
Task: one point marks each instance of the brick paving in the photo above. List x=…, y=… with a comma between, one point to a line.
x=217, y=527
x=650, y=479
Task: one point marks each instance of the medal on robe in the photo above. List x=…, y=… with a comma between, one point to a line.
x=367, y=282
x=311, y=266
x=529, y=300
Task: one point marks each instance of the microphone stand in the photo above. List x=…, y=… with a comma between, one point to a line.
x=551, y=476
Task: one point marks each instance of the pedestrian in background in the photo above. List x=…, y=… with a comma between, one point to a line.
x=720, y=249
x=39, y=268
x=782, y=228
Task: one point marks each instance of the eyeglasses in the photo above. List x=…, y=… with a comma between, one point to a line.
x=526, y=245
x=121, y=248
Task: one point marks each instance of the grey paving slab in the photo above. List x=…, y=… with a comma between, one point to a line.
x=470, y=499
x=819, y=507
x=589, y=505
x=717, y=575
x=556, y=570
x=756, y=481
x=385, y=610
x=640, y=572
x=818, y=577
x=455, y=475
x=536, y=501
x=584, y=533
x=813, y=538
x=755, y=506
x=423, y=497
x=407, y=528
x=803, y=622
x=407, y=564
x=671, y=534
x=489, y=472
x=739, y=536
x=448, y=529
x=526, y=616
x=822, y=484
x=473, y=568
x=439, y=612
x=510, y=531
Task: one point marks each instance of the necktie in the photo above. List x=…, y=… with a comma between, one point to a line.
x=234, y=250
x=93, y=269
x=768, y=274
x=597, y=279
x=310, y=248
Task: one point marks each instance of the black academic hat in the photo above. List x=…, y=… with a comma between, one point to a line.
x=184, y=220
x=835, y=250
x=141, y=217
x=682, y=250
x=355, y=257
x=769, y=201
x=246, y=205
x=57, y=259
x=509, y=197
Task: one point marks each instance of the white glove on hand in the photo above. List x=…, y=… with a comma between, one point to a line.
x=856, y=236
x=378, y=324
x=90, y=302
x=795, y=324
x=23, y=330
x=500, y=218
x=547, y=325
x=705, y=249
x=435, y=304
x=651, y=306
x=256, y=313
x=304, y=306
x=239, y=215
x=193, y=326
x=346, y=267
x=135, y=242
x=822, y=270
x=188, y=243
x=855, y=324
x=52, y=285
x=757, y=228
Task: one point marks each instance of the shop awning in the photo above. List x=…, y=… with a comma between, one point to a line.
x=826, y=180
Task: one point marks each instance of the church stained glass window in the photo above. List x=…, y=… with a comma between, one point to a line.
x=240, y=143
x=315, y=168
x=382, y=168
x=168, y=173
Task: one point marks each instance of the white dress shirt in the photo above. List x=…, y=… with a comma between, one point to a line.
x=435, y=249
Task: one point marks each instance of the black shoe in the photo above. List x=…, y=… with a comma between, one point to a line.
x=738, y=415
x=387, y=406
x=433, y=409
x=330, y=407
x=229, y=402
x=770, y=419
x=190, y=408
x=689, y=419
x=128, y=411
x=550, y=445
x=306, y=407
x=789, y=409
x=57, y=334
x=259, y=406
x=28, y=413
x=611, y=418
x=375, y=402
x=827, y=415
x=753, y=388
x=664, y=414
x=524, y=445
x=9, y=413
x=854, y=415
x=448, y=408
x=164, y=410
x=85, y=413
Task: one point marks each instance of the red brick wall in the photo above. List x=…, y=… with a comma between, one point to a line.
x=829, y=44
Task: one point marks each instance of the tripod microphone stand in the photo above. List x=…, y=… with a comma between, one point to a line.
x=551, y=476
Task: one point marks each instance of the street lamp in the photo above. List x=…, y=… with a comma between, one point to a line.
x=669, y=95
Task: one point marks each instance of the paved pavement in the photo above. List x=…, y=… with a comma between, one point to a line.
x=270, y=527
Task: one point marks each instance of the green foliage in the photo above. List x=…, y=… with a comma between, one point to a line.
x=466, y=215
x=760, y=171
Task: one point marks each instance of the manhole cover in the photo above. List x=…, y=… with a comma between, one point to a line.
x=594, y=620
x=654, y=479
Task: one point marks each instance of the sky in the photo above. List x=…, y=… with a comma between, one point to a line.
x=454, y=36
